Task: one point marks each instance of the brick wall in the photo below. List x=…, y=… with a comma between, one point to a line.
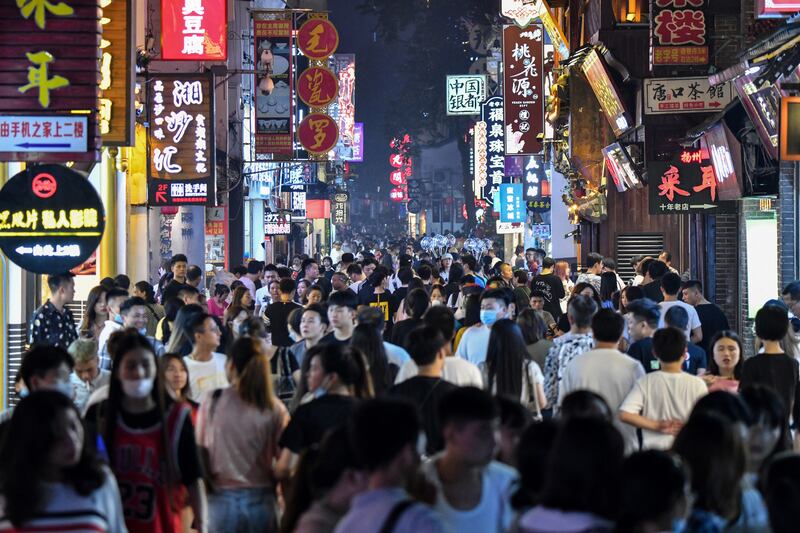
x=787, y=222
x=726, y=249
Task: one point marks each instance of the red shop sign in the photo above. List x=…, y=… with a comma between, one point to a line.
x=679, y=32
x=318, y=39
x=397, y=178
x=318, y=133
x=317, y=87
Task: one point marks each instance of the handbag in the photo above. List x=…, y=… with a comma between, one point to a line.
x=532, y=402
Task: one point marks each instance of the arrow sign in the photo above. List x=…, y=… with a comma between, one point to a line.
x=161, y=198
x=44, y=145
x=22, y=250
x=714, y=104
x=703, y=206
x=44, y=133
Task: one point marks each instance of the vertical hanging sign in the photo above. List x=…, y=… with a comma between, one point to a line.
x=492, y=169
x=194, y=30
x=118, y=73
x=678, y=32
x=274, y=86
x=180, y=139
x=523, y=57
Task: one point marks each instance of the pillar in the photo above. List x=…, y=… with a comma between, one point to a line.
x=107, y=260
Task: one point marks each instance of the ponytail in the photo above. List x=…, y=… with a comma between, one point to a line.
x=254, y=385
x=351, y=366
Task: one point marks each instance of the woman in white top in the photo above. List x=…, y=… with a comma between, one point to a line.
x=49, y=477
x=509, y=371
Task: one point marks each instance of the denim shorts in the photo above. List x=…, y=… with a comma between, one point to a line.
x=247, y=510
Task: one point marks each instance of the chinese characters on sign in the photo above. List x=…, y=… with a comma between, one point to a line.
x=118, y=73
x=402, y=174
x=276, y=223
x=318, y=133
x=685, y=184
x=536, y=185
x=274, y=86
x=480, y=158
x=523, y=59
x=317, y=87
x=50, y=70
x=607, y=95
x=490, y=171
x=51, y=219
x=194, y=30
x=180, y=140
x=317, y=39
x=511, y=207
x=340, y=213
x=678, y=32
x=343, y=108
x=762, y=104
x=464, y=94
x=523, y=12
x=685, y=95
x=358, y=142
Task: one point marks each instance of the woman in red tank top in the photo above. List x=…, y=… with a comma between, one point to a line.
x=150, y=441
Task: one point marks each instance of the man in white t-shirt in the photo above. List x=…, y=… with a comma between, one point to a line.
x=472, y=491
x=670, y=287
x=605, y=370
x=475, y=341
x=263, y=298
x=661, y=401
x=206, y=367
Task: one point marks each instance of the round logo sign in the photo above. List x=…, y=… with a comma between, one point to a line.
x=317, y=87
x=318, y=133
x=51, y=219
x=317, y=39
x=413, y=206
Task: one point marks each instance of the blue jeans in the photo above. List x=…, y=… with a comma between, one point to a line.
x=242, y=511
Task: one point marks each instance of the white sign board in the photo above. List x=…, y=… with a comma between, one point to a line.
x=43, y=134
x=465, y=93
x=685, y=95
x=509, y=227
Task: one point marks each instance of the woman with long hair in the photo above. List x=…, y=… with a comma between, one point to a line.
x=509, y=371
x=367, y=340
x=50, y=477
x=726, y=362
x=472, y=317
x=239, y=426
x=608, y=286
x=165, y=325
x=241, y=298
x=149, y=439
x=416, y=303
x=712, y=448
x=301, y=292
x=562, y=271
x=96, y=313
x=175, y=373
x=534, y=333
x=585, y=289
x=155, y=312
x=181, y=339
x=218, y=302
x=336, y=377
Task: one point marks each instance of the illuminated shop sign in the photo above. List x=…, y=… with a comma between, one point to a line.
x=606, y=92
x=276, y=223
x=464, y=94
x=194, y=30
x=51, y=219
x=678, y=32
x=685, y=184
x=523, y=104
x=274, y=86
x=118, y=74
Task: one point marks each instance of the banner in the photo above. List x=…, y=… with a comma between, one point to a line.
x=678, y=32
x=194, y=30
x=523, y=60
x=537, y=187
x=274, y=86
x=180, y=139
x=50, y=73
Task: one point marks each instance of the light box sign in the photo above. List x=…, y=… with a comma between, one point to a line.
x=685, y=95
x=117, y=67
x=340, y=210
x=523, y=12
x=763, y=107
x=606, y=92
x=512, y=208
x=491, y=161
x=790, y=128
x=537, y=187
x=358, y=143
x=523, y=79
x=274, y=86
x=724, y=150
x=678, y=32
x=687, y=184
x=343, y=109
x=194, y=30
x=51, y=219
x=180, y=140
x=464, y=93
x=276, y=223
x=620, y=165
x=776, y=8
x=50, y=68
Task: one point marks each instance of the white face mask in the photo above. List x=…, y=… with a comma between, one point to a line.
x=65, y=388
x=138, y=388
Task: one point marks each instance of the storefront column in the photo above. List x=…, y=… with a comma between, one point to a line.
x=4, y=297
x=107, y=260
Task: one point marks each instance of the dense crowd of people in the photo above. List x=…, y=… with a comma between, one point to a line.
x=393, y=390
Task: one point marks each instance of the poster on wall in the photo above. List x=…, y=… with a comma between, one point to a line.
x=194, y=30
x=523, y=57
x=678, y=32
x=180, y=140
x=274, y=86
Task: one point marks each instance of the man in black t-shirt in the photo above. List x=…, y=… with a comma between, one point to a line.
x=278, y=313
x=712, y=319
x=550, y=286
x=341, y=315
x=178, y=265
x=643, y=317
x=428, y=348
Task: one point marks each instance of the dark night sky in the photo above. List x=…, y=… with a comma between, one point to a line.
x=376, y=79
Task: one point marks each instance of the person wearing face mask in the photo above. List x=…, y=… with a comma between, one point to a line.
x=134, y=315
x=50, y=477
x=87, y=376
x=114, y=299
x=475, y=341
x=150, y=441
x=240, y=426
x=43, y=368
